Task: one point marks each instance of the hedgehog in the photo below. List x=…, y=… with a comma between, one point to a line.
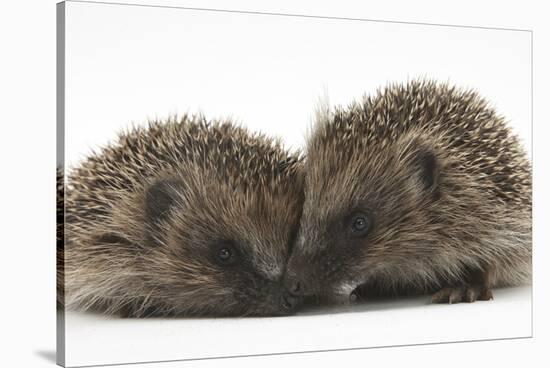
x=183, y=217
x=419, y=189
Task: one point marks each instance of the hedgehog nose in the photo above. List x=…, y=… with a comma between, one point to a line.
x=289, y=302
x=296, y=286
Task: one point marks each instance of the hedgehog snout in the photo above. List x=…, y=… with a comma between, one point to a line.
x=290, y=302
x=297, y=285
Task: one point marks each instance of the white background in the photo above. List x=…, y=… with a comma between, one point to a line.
x=130, y=63
x=28, y=146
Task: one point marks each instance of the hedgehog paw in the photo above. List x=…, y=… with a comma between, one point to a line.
x=466, y=294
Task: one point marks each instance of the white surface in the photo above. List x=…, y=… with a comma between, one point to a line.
x=96, y=339
x=27, y=152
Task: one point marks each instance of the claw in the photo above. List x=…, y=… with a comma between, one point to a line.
x=467, y=294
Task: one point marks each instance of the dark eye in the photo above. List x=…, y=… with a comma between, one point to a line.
x=225, y=253
x=360, y=224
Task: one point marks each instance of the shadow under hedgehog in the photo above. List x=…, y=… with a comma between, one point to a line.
x=184, y=217
x=419, y=189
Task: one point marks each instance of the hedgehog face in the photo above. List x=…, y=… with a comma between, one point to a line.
x=218, y=249
x=365, y=212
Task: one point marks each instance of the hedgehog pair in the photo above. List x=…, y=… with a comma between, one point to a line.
x=419, y=189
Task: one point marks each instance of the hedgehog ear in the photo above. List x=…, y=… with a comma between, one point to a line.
x=424, y=161
x=427, y=166
x=160, y=197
